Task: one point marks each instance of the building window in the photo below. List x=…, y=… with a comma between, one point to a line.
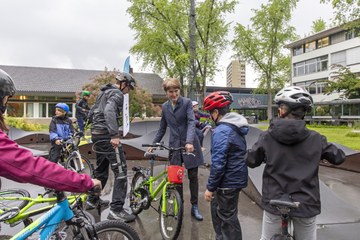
x=338, y=58
x=353, y=56
x=298, y=50
x=311, y=46
x=29, y=110
x=311, y=66
x=299, y=69
x=15, y=109
x=351, y=34
x=42, y=110
x=337, y=37
x=323, y=42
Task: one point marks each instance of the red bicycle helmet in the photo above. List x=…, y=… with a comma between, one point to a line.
x=217, y=99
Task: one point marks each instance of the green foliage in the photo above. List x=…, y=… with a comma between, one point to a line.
x=346, y=12
x=318, y=25
x=353, y=134
x=344, y=81
x=140, y=100
x=21, y=123
x=162, y=36
x=262, y=45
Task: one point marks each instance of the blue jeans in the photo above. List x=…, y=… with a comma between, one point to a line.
x=81, y=123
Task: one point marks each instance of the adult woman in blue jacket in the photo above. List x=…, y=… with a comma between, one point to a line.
x=228, y=173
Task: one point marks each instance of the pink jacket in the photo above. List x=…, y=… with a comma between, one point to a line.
x=20, y=165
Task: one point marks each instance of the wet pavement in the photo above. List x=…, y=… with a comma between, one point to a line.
x=345, y=184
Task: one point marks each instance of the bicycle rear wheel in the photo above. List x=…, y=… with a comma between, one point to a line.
x=171, y=220
x=15, y=193
x=82, y=165
x=115, y=229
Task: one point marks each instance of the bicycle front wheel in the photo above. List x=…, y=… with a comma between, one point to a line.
x=13, y=193
x=115, y=229
x=171, y=219
x=82, y=165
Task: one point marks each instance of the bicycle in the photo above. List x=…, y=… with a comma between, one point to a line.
x=75, y=226
x=143, y=193
x=284, y=205
x=71, y=158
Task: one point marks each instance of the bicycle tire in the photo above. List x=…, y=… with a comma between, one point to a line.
x=87, y=165
x=170, y=224
x=115, y=229
x=7, y=204
x=136, y=196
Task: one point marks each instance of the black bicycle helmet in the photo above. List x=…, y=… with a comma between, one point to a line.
x=7, y=87
x=126, y=77
x=294, y=97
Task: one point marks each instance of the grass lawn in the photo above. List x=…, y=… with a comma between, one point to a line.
x=336, y=134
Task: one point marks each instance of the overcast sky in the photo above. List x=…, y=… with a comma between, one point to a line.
x=94, y=34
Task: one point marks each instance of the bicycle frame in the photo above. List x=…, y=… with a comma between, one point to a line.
x=162, y=185
x=48, y=221
x=25, y=214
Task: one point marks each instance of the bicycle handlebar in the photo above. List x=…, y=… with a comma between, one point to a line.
x=161, y=145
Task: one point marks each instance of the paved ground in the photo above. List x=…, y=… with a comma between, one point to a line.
x=346, y=184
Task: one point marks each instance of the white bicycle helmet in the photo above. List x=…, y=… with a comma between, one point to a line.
x=294, y=97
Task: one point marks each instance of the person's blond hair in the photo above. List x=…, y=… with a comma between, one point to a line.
x=171, y=83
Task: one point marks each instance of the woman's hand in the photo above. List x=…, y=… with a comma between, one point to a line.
x=189, y=147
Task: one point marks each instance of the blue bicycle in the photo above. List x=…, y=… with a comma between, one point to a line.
x=75, y=227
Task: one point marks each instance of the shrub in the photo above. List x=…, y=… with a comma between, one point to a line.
x=353, y=134
x=21, y=123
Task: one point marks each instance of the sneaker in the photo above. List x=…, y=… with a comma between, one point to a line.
x=91, y=204
x=124, y=216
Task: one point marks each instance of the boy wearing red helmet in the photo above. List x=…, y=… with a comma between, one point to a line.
x=228, y=174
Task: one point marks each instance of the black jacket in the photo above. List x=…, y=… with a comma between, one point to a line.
x=80, y=105
x=292, y=153
x=105, y=113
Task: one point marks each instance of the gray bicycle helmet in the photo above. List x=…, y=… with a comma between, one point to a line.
x=126, y=77
x=294, y=97
x=7, y=87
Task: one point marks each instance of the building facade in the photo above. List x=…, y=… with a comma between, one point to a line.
x=236, y=74
x=39, y=89
x=315, y=58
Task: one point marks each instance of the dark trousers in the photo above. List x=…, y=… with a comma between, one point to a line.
x=224, y=211
x=104, y=158
x=200, y=135
x=193, y=185
x=54, y=153
x=81, y=123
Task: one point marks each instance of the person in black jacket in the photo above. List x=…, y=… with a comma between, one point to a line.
x=105, y=116
x=82, y=109
x=60, y=129
x=291, y=154
x=228, y=173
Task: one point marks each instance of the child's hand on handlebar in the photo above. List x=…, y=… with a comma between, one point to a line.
x=151, y=149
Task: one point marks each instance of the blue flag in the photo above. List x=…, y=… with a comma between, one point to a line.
x=127, y=65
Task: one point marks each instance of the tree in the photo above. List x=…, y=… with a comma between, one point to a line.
x=343, y=81
x=162, y=36
x=262, y=45
x=346, y=12
x=140, y=100
x=318, y=25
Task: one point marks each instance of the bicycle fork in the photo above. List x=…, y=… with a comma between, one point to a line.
x=166, y=200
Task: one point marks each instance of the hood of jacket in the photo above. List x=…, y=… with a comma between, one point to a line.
x=237, y=120
x=108, y=86
x=288, y=131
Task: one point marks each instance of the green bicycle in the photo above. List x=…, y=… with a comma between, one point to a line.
x=143, y=193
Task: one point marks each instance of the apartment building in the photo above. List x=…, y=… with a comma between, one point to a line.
x=236, y=74
x=313, y=59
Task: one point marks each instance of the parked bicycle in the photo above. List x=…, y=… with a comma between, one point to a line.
x=61, y=221
x=71, y=158
x=284, y=205
x=143, y=192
